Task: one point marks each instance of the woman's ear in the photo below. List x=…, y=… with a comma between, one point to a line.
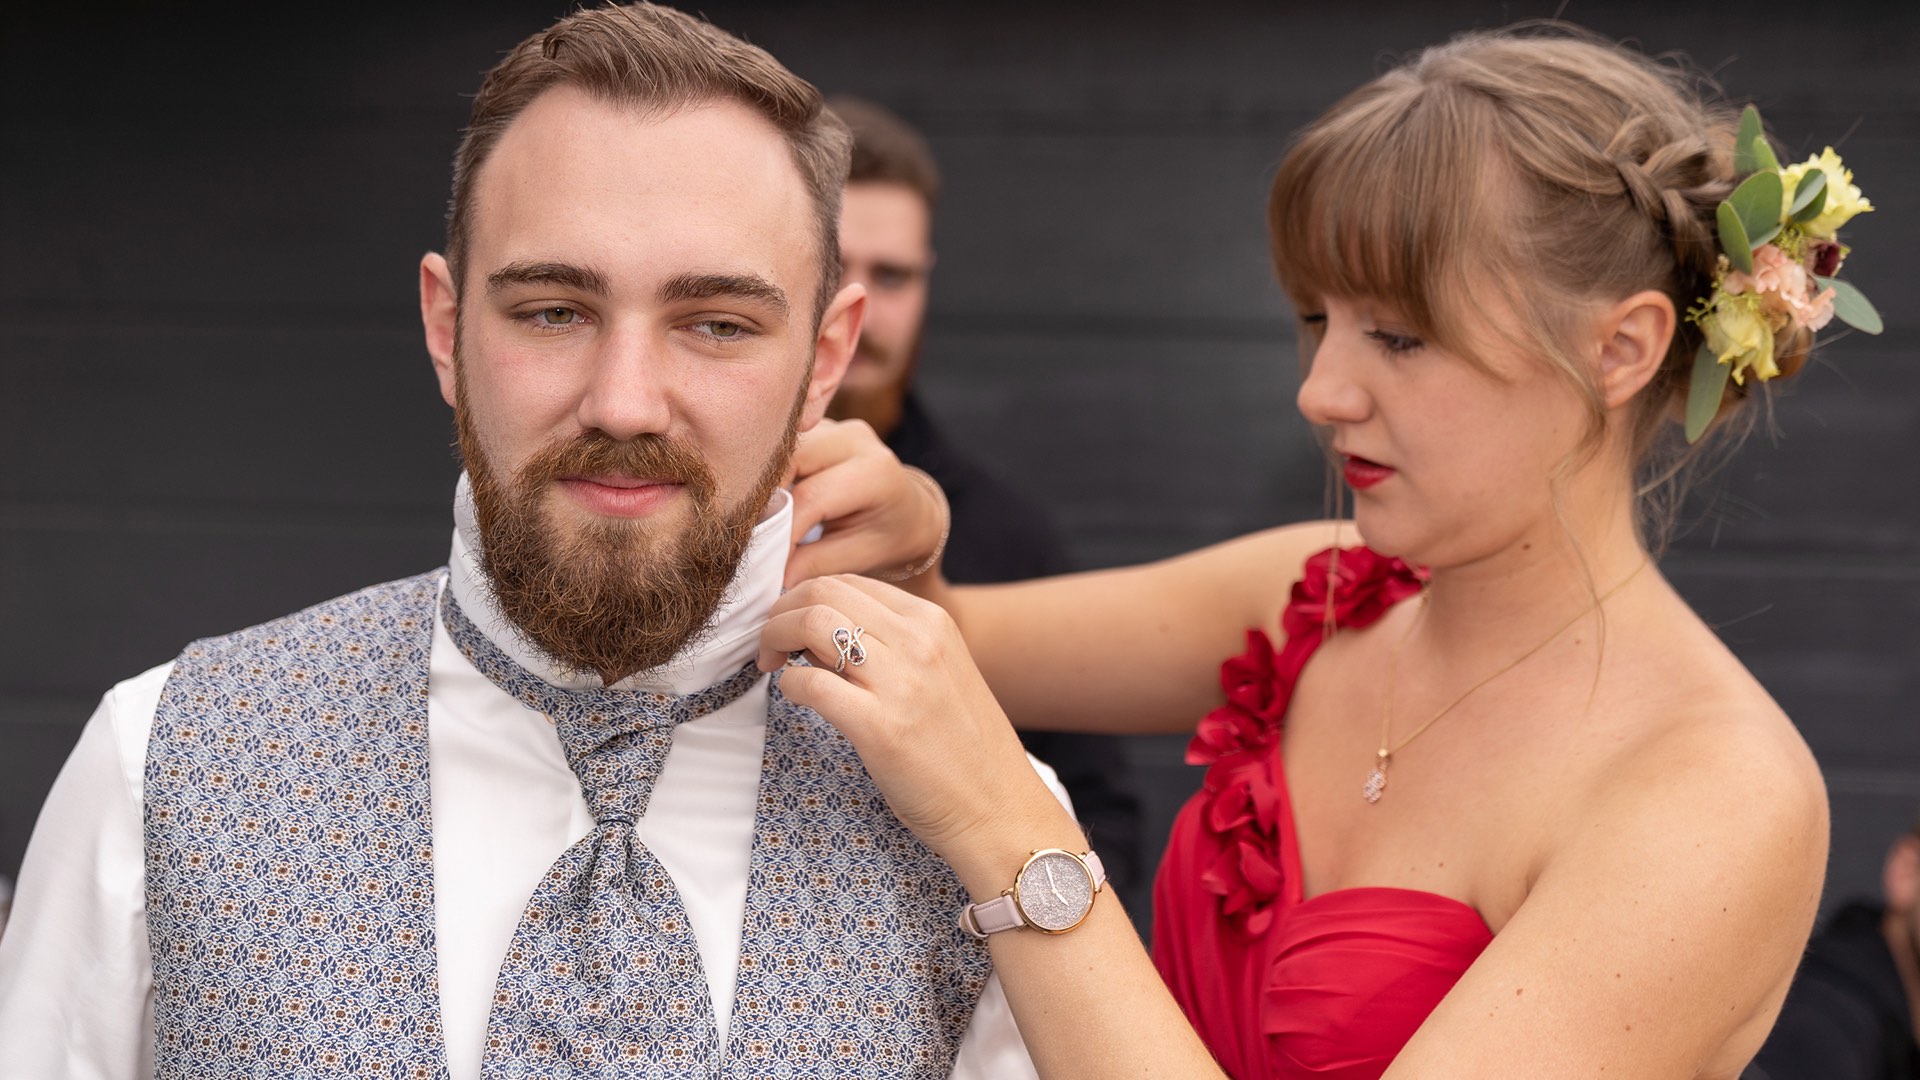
x=1634, y=336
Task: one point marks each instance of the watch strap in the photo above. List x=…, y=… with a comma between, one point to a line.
x=995, y=915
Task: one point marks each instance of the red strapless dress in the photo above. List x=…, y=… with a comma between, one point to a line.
x=1280, y=986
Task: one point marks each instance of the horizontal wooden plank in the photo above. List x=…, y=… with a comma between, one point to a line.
x=178, y=419
x=86, y=609
x=1034, y=56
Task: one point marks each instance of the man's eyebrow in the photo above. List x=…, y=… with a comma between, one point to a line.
x=752, y=287
x=565, y=275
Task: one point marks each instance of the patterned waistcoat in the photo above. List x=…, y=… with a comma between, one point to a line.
x=289, y=874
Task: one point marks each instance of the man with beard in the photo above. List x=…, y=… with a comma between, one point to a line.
x=537, y=814
x=886, y=244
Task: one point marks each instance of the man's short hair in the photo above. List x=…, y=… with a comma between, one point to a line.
x=657, y=59
x=886, y=149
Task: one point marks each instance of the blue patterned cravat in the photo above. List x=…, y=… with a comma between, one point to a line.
x=604, y=976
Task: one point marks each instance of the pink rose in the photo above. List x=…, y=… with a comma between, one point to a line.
x=1813, y=312
x=1777, y=275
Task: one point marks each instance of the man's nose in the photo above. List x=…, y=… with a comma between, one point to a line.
x=628, y=388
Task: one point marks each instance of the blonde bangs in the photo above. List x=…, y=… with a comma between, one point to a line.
x=1386, y=198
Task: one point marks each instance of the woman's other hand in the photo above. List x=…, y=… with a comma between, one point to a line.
x=922, y=719
x=876, y=515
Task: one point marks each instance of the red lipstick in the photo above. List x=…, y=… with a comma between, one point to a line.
x=1363, y=474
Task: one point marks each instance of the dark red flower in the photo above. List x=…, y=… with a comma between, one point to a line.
x=1241, y=794
x=1826, y=257
x=1347, y=587
x=1247, y=878
x=1253, y=707
x=1242, y=800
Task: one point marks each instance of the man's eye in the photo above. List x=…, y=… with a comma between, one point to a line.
x=556, y=316
x=721, y=328
x=891, y=277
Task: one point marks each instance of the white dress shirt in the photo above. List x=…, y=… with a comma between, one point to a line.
x=76, y=983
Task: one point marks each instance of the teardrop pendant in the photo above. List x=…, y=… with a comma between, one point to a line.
x=1376, y=784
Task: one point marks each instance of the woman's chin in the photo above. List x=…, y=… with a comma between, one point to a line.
x=1381, y=532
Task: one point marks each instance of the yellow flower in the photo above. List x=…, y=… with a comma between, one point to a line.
x=1739, y=336
x=1843, y=199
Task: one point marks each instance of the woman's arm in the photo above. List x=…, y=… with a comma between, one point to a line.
x=1132, y=650
x=1089, y=1003
x=1658, y=937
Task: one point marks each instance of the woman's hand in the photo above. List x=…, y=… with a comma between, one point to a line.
x=1089, y=1003
x=922, y=719
x=876, y=515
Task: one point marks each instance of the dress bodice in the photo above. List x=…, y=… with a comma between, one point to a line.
x=1278, y=984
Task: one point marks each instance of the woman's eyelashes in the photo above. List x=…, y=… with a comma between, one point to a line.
x=1391, y=342
x=1394, y=344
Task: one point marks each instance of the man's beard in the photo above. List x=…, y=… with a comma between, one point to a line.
x=616, y=596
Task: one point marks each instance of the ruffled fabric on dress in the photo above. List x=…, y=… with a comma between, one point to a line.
x=1279, y=986
x=1351, y=587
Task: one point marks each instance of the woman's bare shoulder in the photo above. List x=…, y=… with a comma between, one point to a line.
x=1707, y=749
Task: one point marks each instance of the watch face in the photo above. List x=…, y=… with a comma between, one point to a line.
x=1054, y=891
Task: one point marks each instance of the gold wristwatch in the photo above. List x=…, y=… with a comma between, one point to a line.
x=1052, y=893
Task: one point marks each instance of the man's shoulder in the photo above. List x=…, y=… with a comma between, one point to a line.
x=373, y=608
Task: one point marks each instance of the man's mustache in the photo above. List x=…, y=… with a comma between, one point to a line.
x=594, y=453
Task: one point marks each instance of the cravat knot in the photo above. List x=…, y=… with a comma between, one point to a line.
x=615, y=740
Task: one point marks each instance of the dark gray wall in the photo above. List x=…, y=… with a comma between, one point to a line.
x=214, y=406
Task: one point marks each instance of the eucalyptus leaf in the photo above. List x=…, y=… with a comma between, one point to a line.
x=1759, y=200
x=1733, y=238
x=1704, y=390
x=1763, y=155
x=1850, y=306
x=1810, y=198
x=1751, y=131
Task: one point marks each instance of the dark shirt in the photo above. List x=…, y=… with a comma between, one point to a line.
x=1846, y=1017
x=998, y=535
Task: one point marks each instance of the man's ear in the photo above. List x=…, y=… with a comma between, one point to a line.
x=1634, y=335
x=1900, y=877
x=439, y=311
x=833, y=349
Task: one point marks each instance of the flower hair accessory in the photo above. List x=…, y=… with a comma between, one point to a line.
x=1778, y=258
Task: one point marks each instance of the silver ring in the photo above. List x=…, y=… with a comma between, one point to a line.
x=847, y=643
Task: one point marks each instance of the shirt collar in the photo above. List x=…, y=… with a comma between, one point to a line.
x=731, y=638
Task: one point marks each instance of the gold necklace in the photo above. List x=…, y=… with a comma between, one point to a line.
x=1376, y=784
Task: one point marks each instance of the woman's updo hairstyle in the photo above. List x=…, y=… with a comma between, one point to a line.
x=1541, y=162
